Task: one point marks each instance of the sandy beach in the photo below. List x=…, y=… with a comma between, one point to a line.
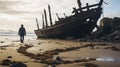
x=73, y=33
x=72, y=52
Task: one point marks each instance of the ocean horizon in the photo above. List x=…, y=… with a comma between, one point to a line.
x=10, y=36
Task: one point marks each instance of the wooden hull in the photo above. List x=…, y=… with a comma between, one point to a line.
x=77, y=26
x=80, y=24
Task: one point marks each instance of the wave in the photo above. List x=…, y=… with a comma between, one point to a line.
x=14, y=34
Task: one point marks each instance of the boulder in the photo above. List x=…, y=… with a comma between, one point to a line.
x=18, y=64
x=6, y=62
x=9, y=57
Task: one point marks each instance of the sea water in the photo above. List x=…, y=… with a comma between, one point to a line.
x=16, y=37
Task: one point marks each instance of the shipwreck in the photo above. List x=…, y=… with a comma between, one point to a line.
x=79, y=24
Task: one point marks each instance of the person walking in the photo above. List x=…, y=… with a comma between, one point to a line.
x=22, y=33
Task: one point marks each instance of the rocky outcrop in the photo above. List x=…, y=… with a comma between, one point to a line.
x=109, y=31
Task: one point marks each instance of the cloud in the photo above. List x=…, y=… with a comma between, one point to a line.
x=16, y=12
x=5, y=7
x=15, y=7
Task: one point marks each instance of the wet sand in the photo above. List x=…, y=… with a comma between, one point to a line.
x=71, y=50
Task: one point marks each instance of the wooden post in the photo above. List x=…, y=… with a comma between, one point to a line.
x=37, y=24
x=50, y=16
x=57, y=16
x=43, y=21
x=79, y=4
x=46, y=18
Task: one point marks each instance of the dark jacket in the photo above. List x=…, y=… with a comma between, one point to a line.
x=22, y=31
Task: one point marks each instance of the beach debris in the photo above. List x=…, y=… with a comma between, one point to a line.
x=58, y=43
x=89, y=65
x=47, y=56
x=18, y=64
x=113, y=48
x=84, y=60
x=9, y=57
x=60, y=61
x=67, y=62
x=91, y=45
x=78, y=60
x=6, y=62
x=23, y=50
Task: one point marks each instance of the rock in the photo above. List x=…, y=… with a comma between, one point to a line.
x=18, y=64
x=90, y=65
x=2, y=48
x=6, y=62
x=39, y=43
x=58, y=58
x=9, y=57
x=2, y=42
x=117, y=37
x=115, y=49
x=40, y=49
x=53, y=65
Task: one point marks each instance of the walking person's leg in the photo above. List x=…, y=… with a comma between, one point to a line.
x=21, y=39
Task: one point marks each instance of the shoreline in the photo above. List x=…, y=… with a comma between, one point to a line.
x=70, y=51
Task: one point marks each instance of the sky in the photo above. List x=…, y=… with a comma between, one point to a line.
x=13, y=13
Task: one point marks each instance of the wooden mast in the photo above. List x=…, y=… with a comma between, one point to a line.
x=79, y=4
x=57, y=16
x=50, y=16
x=101, y=2
x=46, y=18
x=43, y=21
x=37, y=24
